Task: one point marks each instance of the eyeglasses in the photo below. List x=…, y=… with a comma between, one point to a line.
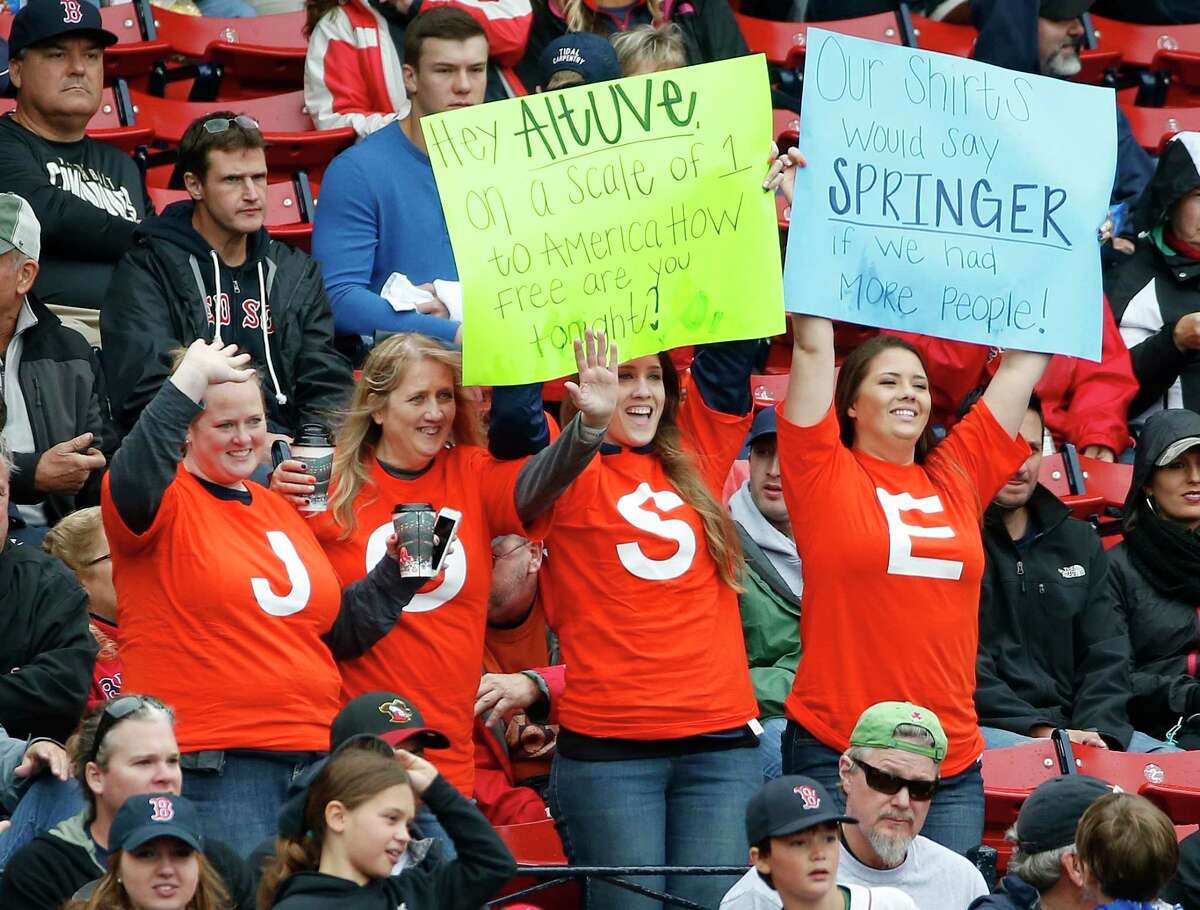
x=97, y=560
x=889, y=784
x=116, y=711
x=497, y=557
x=221, y=124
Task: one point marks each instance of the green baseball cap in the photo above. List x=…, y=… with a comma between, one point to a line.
x=876, y=728
x=19, y=227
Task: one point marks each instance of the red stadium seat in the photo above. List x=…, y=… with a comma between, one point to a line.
x=1108, y=480
x=1154, y=126
x=1053, y=477
x=786, y=128
x=106, y=125
x=266, y=52
x=1171, y=780
x=784, y=42
x=944, y=37
x=538, y=844
x=768, y=389
x=132, y=56
x=1009, y=776
x=292, y=142
x=1139, y=44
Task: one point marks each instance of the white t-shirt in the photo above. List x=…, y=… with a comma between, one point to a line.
x=752, y=893
x=933, y=876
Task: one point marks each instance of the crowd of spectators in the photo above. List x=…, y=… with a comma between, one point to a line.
x=690, y=630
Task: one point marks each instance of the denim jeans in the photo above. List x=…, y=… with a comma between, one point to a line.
x=688, y=810
x=1002, y=739
x=427, y=824
x=47, y=802
x=770, y=747
x=955, y=817
x=227, y=9
x=239, y=803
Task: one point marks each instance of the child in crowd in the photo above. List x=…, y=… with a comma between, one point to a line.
x=1127, y=851
x=356, y=820
x=792, y=825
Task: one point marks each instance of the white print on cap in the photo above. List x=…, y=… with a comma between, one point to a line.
x=631, y=555
x=297, y=598
x=454, y=571
x=72, y=13
x=164, y=810
x=808, y=796
x=901, y=535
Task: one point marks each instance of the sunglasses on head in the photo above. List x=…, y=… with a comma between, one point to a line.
x=221, y=124
x=116, y=711
x=890, y=784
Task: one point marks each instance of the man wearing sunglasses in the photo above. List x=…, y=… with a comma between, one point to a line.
x=889, y=776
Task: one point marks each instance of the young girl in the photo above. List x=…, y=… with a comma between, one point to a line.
x=356, y=818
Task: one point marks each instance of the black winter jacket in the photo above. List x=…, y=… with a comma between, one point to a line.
x=710, y=32
x=1050, y=646
x=483, y=866
x=46, y=650
x=48, y=870
x=1164, y=642
x=161, y=298
x=63, y=388
x=1014, y=894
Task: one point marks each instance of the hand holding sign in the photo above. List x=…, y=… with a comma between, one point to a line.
x=938, y=198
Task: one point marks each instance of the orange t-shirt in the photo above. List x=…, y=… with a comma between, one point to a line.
x=892, y=560
x=220, y=609
x=433, y=655
x=651, y=636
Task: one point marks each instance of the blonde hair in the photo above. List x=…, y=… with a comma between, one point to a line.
x=660, y=46
x=1128, y=846
x=580, y=18
x=359, y=436
x=70, y=539
x=352, y=777
x=110, y=893
x=680, y=467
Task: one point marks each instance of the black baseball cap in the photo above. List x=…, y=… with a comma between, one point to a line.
x=1049, y=817
x=41, y=20
x=389, y=716
x=148, y=816
x=590, y=55
x=790, y=804
x=1061, y=10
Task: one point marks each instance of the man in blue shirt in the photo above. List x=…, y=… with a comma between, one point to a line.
x=380, y=212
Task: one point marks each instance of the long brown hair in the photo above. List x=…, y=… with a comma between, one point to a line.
x=854, y=373
x=352, y=777
x=315, y=11
x=110, y=893
x=580, y=18
x=719, y=534
x=359, y=436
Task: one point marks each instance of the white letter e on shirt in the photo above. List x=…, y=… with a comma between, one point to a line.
x=900, y=537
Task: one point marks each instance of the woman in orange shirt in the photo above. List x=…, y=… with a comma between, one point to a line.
x=888, y=530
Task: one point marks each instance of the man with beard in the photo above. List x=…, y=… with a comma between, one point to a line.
x=889, y=775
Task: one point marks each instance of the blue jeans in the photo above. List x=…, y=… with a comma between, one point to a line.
x=1140, y=742
x=428, y=826
x=955, y=817
x=47, y=802
x=227, y=9
x=239, y=803
x=687, y=810
x=770, y=747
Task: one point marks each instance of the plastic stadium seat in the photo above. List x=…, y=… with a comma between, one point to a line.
x=1139, y=44
x=944, y=37
x=265, y=52
x=292, y=142
x=132, y=56
x=1171, y=780
x=108, y=124
x=784, y=43
x=1153, y=126
x=1009, y=776
x=768, y=389
x=538, y=844
x=1181, y=70
x=1053, y=477
x=1108, y=480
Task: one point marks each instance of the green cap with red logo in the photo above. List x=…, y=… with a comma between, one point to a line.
x=876, y=729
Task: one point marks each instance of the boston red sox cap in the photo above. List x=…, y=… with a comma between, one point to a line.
x=790, y=804
x=41, y=20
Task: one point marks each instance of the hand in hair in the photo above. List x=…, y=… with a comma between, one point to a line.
x=421, y=772
x=782, y=175
x=595, y=394
x=206, y=364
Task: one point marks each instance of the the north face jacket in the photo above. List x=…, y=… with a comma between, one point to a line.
x=1050, y=644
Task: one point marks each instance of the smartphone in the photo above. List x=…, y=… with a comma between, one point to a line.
x=445, y=529
x=280, y=452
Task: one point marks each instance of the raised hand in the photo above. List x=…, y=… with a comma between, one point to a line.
x=207, y=363
x=421, y=772
x=782, y=175
x=595, y=394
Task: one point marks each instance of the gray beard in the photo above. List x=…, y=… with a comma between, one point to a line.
x=890, y=850
x=1063, y=67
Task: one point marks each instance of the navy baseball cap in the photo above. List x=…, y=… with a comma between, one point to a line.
x=1049, y=817
x=148, y=816
x=790, y=804
x=41, y=20
x=764, y=424
x=590, y=55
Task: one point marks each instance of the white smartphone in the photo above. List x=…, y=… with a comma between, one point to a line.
x=445, y=529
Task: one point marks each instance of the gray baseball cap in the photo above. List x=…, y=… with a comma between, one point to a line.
x=19, y=227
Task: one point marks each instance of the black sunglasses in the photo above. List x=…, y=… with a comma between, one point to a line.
x=116, y=711
x=889, y=784
x=215, y=125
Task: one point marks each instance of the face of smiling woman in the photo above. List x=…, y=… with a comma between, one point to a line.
x=161, y=874
x=891, y=407
x=223, y=443
x=640, y=405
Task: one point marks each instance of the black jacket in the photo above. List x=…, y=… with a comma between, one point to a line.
x=161, y=299
x=48, y=870
x=1151, y=290
x=1015, y=894
x=483, y=866
x=46, y=650
x=710, y=32
x=88, y=197
x=63, y=388
x=1157, y=12
x=1050, y=648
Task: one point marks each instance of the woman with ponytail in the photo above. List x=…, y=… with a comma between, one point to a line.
x=656, y=757
x=356, y=816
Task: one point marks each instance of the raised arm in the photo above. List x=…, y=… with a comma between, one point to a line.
x=1007, y=395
